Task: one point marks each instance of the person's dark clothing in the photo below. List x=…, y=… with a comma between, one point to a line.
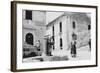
x=48, y=49
x=90, y=44
x=73, y=48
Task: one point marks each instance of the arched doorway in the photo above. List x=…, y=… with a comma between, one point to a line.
x=29, y=38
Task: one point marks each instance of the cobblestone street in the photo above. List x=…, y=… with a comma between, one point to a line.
x=83, y=53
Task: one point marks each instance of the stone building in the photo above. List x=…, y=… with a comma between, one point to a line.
x=33, y=31
x=61, y=30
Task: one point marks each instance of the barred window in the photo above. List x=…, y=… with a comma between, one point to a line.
x=61, y=43
x=73, y=25
x=28, y=15
x=60, y=26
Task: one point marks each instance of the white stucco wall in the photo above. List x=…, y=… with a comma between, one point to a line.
x=66, y=30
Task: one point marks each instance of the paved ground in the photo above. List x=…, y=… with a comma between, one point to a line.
x=83, y=53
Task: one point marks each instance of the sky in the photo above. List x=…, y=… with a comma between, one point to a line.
x=50, y=16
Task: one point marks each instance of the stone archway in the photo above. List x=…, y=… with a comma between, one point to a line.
x=29, y=38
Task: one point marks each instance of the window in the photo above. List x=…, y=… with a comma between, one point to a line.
x=89, y=27
x=73, y=24
x=61, y=44
x=53, y=30
x=60, y=26
x=53, y=35
x=28, y=15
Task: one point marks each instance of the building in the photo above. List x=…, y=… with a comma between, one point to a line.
x=33, y=31
x=59, y=30
x=62, y=28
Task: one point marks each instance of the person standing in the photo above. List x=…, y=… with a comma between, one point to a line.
x=90, y=44
x=38, y=47
x=73, y=45
x=73, y=48
x=48, y=49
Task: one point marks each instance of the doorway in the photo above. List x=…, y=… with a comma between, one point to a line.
x=29, y=38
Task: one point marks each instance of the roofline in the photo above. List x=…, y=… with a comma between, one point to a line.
x=49, y=24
